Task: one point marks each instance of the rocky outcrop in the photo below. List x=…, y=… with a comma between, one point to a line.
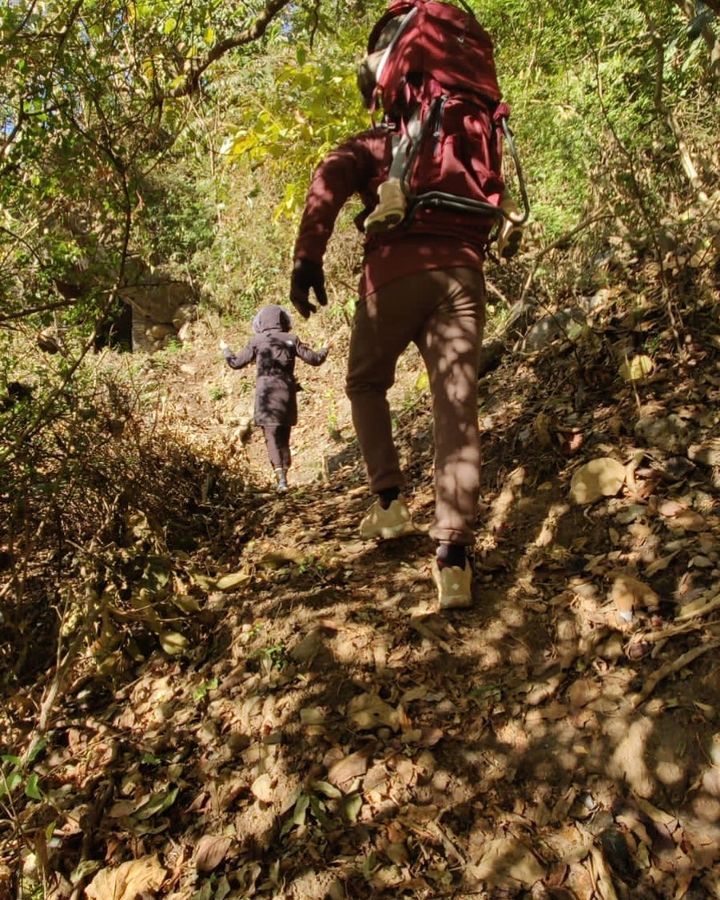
x=162, y=309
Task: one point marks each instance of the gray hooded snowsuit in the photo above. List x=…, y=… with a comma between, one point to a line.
x=274, y=349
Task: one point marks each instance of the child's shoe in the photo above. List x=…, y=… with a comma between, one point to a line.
x=389, y=523
x=454, y=585
x=282, y=484
x=390, y=210
x=511, y=231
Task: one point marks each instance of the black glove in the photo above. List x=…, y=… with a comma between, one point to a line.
x=307, y=274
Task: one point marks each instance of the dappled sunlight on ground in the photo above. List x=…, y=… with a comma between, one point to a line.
x=327, y=733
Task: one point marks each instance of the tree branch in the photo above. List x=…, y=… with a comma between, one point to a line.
x=252, y=33
x=31, y=310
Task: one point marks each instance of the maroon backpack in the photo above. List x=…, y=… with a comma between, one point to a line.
x=436, y=83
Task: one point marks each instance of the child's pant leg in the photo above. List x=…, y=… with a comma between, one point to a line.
x=277, y=441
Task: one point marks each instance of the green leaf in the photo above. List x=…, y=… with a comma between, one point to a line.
x=351, y=807
x=322, y=787
x=318, y=811
x=156, y=804
x=9, y=784
x=150, y=760
x=301, y=805
x=37, y=749
x=14, y=761
x=32, y=788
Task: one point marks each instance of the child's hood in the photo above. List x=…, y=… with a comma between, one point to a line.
x=272, y=318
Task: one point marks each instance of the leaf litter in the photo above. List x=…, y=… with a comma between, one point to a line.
x=277, y=714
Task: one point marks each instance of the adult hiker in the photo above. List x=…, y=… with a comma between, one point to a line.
x=422, y=282
x=274, y=350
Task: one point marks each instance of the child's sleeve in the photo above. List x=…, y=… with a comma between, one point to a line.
x=310, y=356
x=241, y=359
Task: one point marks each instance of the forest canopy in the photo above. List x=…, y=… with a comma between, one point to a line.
x=127, y=126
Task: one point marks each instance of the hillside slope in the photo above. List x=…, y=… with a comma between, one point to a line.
x=313, y=729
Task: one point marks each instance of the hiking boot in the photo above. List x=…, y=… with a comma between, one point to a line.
x=387, y=524
x=454, y=585
x=390, y=210
x=282, y=484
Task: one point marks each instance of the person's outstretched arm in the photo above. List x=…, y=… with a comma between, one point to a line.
x=345, y=171
x=310, y=356
x=238, y=360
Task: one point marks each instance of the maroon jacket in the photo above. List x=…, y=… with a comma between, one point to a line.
x=436, y=239
x=274, y=350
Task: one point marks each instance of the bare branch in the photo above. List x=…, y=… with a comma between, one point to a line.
x=252, y=33
x=31, y=310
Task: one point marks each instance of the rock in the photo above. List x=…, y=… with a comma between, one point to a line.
x=490, y=355
x=708, y=454
x=601, y=477
x=161, y=330
x=185, y=332
x=669, y=434
x=564, y=323
x=263, y=788
x=184, y=315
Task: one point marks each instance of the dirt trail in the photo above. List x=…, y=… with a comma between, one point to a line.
x=324, y=733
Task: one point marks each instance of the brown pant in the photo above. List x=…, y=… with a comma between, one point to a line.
x=442, y=311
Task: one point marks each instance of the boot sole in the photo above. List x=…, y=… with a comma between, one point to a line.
x=388, y=534
x=452, y=602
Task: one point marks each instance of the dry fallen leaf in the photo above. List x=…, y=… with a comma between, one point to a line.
x=637, y=368
x=688, y=520
x=232, y=581
x=601, y=477
x=173, y=642
x=127, y=881
x=505, y=862
x=582, y=692
x=629, y=594
x=210, y=851
x=368, y=711
x=348, y=768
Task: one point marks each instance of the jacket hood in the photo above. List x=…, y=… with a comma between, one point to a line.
x=272, y=318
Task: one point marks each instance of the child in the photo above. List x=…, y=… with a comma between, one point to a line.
x=274, y=350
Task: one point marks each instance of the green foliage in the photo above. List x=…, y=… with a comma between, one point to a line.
x=18, y=776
